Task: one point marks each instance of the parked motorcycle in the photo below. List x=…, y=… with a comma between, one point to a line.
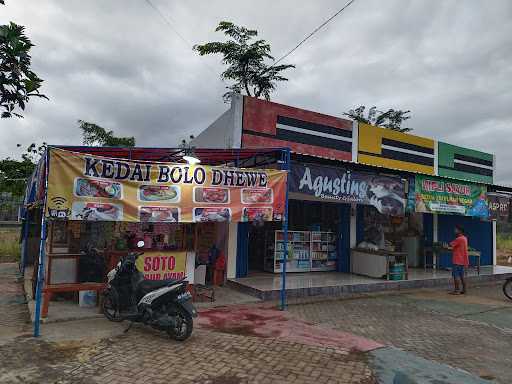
x=163, y=304
x=507, y=288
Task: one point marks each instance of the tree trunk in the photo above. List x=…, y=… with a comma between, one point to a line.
x=247, y=88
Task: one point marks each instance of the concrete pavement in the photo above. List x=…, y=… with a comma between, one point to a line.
x=423, y=337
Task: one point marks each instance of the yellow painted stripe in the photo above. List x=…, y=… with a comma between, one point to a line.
x=406, y=138
x=370, y=138
x=395, y=164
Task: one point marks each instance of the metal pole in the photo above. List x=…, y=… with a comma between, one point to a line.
x=285, y=233
x=42, y=254
x=25, y=221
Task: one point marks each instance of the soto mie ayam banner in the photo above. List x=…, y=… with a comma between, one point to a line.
x=94, y=188
x=162, y=265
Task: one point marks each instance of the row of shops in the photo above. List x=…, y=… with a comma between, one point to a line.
x=276, y=186
x=336, y=213
x=361, y=196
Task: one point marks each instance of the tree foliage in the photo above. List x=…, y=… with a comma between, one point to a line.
x=14, y=173
x=18, y=83
x=391, y=119
x=246, y=61
x=95, y=135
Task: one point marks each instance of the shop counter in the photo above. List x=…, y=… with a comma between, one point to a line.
x=377, y=263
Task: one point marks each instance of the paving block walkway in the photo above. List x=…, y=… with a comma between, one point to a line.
x=472, y=332
x=230, y=345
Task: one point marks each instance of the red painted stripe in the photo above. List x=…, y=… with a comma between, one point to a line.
x=250, y=141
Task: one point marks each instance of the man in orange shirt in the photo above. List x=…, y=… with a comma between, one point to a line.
x=460, y=260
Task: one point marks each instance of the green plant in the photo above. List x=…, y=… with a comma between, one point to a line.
x=95, y=135
x=504, y=242
x=391, y=119
x=245, y=60
x=18, y=83
x=10, y=249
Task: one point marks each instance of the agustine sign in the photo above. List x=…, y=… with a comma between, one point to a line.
x=387, y=194
x=87, y=187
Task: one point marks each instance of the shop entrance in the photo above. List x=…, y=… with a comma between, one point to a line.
x=314, y=237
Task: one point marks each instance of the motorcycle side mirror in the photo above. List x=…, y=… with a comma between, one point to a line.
x=140, y=244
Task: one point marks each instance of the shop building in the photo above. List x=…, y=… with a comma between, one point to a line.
x=363, y=200
x=87, y=207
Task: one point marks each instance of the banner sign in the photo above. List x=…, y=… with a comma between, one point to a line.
x=162, y=265
x=499, y=206
x=90, y=188
x=387, y=194
x=450, y=197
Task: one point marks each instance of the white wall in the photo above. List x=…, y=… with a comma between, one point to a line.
x=232, y=248
x=226, y=131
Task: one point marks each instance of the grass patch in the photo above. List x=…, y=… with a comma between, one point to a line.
x=504, y=242
x=10, y=247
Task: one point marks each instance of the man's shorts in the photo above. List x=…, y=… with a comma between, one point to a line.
x=458, y=271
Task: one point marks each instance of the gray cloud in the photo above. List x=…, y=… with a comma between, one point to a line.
x=118, y=64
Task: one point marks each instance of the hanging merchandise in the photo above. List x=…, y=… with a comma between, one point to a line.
x=434, y=194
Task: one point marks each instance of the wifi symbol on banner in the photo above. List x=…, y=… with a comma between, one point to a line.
x=59, y=201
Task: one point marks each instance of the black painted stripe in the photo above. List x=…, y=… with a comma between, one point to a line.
x=317, y=141
x=474, y=170
x=260, y=134
x=412, y=147
x=313, y=126
x=301, y=138
x=407, y=157
x=401, y=157
x=474, y=160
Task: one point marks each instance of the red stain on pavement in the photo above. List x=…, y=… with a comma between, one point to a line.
x=264, y=322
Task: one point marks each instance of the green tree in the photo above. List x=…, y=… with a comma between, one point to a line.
x=18, y=83
x=95, y=135
x=246, y=61
x=391, y=119
x=14, y=173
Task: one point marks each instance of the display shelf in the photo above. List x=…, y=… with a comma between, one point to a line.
x=307, y=251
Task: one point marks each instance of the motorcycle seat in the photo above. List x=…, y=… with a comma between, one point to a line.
x=151, y=285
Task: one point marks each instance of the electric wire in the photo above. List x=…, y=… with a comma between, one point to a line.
x=176, y=32
x=166, y=20
x=310, y=34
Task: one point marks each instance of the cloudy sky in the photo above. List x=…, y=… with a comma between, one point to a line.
x=118, y=64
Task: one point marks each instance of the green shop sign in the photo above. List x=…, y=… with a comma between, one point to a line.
x=436, y=195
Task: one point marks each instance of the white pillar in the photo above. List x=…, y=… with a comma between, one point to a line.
x=353, y=225
x=355, y=140
x=232, y=244
x=494, y=254
x=435, y=227
x=436, y=158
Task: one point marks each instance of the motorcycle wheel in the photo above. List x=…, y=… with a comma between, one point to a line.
x=110, y=305
x=507, y=288
x=184, y=325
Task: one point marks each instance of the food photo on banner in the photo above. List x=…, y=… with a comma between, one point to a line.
x=385, y=193
x=436, y=195
x=94, y=188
